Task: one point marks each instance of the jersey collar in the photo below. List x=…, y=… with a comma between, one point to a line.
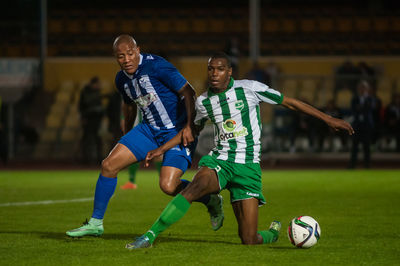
x=141, y=59
x=128, y=75
x=210, y=93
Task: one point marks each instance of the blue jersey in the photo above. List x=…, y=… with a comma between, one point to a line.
x=154, y=88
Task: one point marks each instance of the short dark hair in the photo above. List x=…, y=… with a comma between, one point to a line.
x=219, y=55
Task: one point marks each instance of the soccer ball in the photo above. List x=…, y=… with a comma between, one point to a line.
x=304, y=232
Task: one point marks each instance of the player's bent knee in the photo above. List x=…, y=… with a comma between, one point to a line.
x=108, y=168
x=168, y=188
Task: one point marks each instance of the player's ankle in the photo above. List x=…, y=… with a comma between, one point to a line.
x=151, y=235
x=96, y=221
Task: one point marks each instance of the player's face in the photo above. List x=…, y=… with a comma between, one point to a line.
x=219, y=74
x=128, y=57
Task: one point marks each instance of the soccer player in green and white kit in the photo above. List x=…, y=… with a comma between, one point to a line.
x=233, y=107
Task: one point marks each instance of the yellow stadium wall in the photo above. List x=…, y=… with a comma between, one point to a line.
x=304, y=65
x=78, y=70
x=194, y=69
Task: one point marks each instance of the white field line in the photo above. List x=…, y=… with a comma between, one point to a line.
x=44, y=202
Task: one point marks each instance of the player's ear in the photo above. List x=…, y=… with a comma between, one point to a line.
x=138, y=49
x=230, y=71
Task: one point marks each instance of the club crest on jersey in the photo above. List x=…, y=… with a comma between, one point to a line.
x=143, y=81
x=230, y=131
x=239, y=105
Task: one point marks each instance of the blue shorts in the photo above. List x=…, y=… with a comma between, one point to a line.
x=143, y=138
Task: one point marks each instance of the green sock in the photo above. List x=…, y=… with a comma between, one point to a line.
x=269, y=236
x=158, y=167
x=132, y=172
x=174, y=211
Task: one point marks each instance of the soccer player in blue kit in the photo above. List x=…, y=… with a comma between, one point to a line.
x=166, y=101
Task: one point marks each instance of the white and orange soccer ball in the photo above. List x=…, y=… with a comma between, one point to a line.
x=304, y=232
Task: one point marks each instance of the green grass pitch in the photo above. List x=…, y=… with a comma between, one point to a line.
x=358, y=212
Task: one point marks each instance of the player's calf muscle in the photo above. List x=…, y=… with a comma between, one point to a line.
x=250, y=239
x=199, y=187
x=195, y=190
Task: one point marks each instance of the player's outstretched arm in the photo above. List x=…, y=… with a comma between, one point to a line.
x=162, y=149
x=189, y=95
x=336, y=124
x=178, y=139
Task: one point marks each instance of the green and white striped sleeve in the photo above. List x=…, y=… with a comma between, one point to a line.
x=266, y=94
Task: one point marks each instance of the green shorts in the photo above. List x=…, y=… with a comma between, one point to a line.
x=242, y=180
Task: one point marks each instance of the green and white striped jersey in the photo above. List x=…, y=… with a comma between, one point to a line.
x=235, y=114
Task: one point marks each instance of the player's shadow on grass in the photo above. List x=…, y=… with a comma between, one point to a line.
x=285, y=248
x=169, y=238
x=128, y=237
x=212, y=240
x=47, y=235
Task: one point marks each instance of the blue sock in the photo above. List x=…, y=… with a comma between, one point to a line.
x=105, y=188
x=205, y=199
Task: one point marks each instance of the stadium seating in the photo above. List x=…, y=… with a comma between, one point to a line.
x=343, y=99
x=290, y=87
x=324, y=93
x=308, y=90
x=317, y=29
x=397, y=85
x=193, y=30
x=385, y=90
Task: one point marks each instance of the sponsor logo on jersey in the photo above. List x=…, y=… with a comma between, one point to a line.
x=229, y=125
x=252, y=194
x=230, y=131
x=239, y=105
x=145, y=100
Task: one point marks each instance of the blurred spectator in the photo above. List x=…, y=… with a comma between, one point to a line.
x=376, y=104
x=114, y=116
x=273, y=71
x=232, y=50
x=392, y=119
x=302, y=125
x=326, y=132
x=363, y=123
x=3, y=136
x=367, y=73
x=257, y=73
x=91, y=109
x=346, y=77
x=26, y=134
